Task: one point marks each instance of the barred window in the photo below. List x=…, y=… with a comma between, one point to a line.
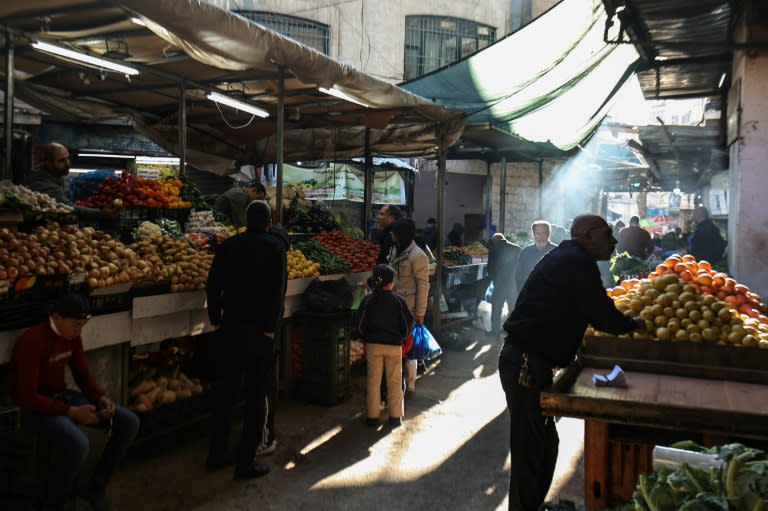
x=432, y=42
x=311, y=33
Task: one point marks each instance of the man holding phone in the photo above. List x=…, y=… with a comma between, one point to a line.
x=55, y=412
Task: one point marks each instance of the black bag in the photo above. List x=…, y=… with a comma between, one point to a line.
x=328, y=296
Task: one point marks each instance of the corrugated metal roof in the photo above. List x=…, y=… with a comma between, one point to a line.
x=685, y=46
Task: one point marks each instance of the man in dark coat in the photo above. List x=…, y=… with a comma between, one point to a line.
x=502, y=261
x=635, y=240
x=245, y=290
x=563, y=295
x=706, y=243
x=386, y=216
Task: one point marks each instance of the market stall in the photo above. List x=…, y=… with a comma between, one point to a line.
x=698, y=373
x=147, y=294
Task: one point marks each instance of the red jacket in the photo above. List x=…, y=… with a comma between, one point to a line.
x=37, y=370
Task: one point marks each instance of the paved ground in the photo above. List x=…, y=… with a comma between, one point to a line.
x=451, y=453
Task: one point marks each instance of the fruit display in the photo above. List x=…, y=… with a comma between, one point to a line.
x=684, y=300
x=175, y=261
x=54, y=250
x=329, y=263
x=361, y=255
x=299, y=266
x=454, y=257
x=475, y=249
x=131, y=191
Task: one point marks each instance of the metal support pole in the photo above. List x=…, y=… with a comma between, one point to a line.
x=540, y=213
x=280, y=142
x=438, y=291
x=503, y=194
x=8, y=118
x=182, y=128
x=367, y=185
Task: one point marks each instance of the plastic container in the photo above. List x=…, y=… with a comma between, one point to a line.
x=671, y=459
x=325, y=356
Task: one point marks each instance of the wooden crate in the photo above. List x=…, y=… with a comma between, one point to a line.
x=696, y=360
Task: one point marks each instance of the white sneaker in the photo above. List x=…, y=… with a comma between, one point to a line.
x=264, y=450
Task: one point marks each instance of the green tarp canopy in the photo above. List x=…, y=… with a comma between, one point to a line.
x=543, y=88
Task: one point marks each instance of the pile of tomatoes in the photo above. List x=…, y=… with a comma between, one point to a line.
x=360, y=254
x=131, y=191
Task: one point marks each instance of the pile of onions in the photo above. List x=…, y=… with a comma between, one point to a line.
x=54, y=250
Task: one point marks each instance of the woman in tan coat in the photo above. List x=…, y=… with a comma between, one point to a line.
x=411, y=278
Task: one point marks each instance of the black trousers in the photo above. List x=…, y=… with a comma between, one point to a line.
x=245, y=365
x=503, y=292
x=533, y=439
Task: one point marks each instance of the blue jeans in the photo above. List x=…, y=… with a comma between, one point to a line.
x=69, y=445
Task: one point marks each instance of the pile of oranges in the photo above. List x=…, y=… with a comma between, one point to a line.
x=700, y=276
x=684, y=300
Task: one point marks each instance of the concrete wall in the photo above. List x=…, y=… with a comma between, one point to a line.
x=463, y=195
x=370, y=34
x=748, y=216
x=523, y=203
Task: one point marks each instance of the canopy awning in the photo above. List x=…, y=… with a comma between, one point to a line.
x=538, y=92
x=210, y=49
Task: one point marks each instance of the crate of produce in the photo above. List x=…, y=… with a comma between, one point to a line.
x=325, y=356
x=178, y=413
x=109, y=299
x=698, y=360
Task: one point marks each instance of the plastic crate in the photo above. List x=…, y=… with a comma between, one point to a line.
x=10, y=419
x=15, y=315
x=325, y=356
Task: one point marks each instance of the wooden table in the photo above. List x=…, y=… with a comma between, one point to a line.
x=623, y=424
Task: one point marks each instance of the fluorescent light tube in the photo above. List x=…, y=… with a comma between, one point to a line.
x=166, y=160
x=333, y=91
x=106, y=155
x=239, y=105
x=722, y=80
x=82, y=57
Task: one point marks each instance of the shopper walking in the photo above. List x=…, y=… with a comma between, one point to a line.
x=411, y=279
x=245, y=291
x=541, y=230
x=502, y=262
x=383, y=322
x=561, y=297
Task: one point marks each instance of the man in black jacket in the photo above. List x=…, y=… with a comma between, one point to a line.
x=502, y=261
x=706, y=243
x=561, y=297
x=386, y=216
x=246, y=290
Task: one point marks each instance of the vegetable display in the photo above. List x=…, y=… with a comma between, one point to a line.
x=742, y=485
x=329, y=263
x=361, y=255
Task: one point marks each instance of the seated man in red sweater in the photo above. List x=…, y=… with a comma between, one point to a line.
x=54, y=412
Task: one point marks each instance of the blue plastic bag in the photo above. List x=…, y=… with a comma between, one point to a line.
x=425, y=346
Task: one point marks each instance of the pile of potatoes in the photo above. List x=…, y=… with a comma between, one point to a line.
x=151, y=393
x=175, y=261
